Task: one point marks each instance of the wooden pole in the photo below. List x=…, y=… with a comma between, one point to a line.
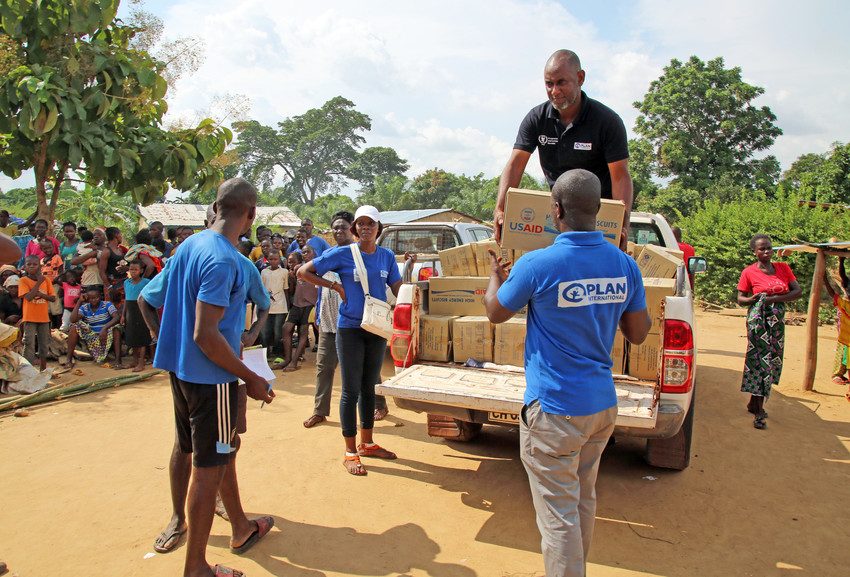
x=812, y=322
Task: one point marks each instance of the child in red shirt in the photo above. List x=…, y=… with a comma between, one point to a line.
x=52, y=266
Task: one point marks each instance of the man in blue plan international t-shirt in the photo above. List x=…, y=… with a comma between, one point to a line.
x=577, y=291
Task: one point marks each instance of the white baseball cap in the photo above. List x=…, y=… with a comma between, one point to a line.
x=13, y=280
x=367, y=210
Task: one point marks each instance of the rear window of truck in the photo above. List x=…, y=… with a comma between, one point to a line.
x=421, y=240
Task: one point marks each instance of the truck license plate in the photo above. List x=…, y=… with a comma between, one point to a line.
x=510, y=418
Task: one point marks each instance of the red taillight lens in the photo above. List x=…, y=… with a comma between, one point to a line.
x=402, y=351
x=678, y=335
x=402, y=318
x=427, y=272
x=678, y=358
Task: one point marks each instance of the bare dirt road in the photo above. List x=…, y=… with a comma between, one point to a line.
x=85, y=488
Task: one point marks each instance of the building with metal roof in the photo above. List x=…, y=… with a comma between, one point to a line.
x=177, y=214
x=426, y=215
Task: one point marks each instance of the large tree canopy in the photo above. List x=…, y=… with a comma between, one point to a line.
x=315, y=151
x=75, y=95
x=821, y=177
x=699, y=119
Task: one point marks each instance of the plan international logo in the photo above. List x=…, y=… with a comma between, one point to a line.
x=592, y=291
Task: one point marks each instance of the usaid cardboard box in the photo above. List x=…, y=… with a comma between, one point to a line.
x=458, y=261
x=656, y=262
x=618, y=354
x=509, y=343
x=528, y=220
x=459, y=295
x=472, y=337
x=435, y=337
x=657, y=290
x=645, y=358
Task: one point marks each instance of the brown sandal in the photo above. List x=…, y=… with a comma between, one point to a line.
x=314, y=420
x=353, y=465
x=375, y=451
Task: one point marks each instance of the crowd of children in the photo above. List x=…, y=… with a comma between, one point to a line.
x=86, y=286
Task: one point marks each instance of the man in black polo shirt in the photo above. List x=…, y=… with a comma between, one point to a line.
x=569, y=131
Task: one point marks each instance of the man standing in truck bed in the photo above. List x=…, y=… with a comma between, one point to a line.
x=577, y=291
x=569, y=131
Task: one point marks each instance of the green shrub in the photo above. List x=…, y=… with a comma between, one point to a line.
x=721, y=232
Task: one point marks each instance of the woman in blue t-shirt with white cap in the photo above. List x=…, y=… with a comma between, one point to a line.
x=361, y=353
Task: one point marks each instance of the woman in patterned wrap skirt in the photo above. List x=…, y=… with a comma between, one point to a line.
x=764, y=287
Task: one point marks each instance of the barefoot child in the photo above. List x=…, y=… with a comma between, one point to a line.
x=136, y=333
x=276, y=280
x=36, y=292
x=842, y=304
x=94, y=321
x=52, y=266
x=303, y=302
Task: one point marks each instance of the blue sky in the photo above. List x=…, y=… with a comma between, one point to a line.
x=446, y=83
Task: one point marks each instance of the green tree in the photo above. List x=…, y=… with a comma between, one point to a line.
x=97, y=206
x=313, y=151
x=325, y=206
x=387, y=194
x=700, y=122
x=76, y=96
x=821, y=177
x=432, y=188
x=376, y=162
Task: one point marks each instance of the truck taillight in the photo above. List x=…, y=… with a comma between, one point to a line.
x=402, y=318
x=402, y=350
x=427, y=272
x=678, y=358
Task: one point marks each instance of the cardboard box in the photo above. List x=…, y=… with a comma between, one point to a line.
x=458, y=261
x=472, y=337
x=435, y=337
x=459, y=295
x=656, y=262
x=609, y=220
x=634, y=250
x=618, y=354
x=657, y=289
x=528, y=220
x=482, y=256
x=644, y=359
x=509, y=344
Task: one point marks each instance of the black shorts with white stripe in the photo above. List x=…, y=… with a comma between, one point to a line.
x=205, y=417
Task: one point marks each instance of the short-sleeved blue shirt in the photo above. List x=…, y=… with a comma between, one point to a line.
x=381, y=271
x=132, y=291
x=207, y=269
x=576, y=291
x=319, y=244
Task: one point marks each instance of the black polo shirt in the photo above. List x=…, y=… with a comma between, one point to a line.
x=595, y=138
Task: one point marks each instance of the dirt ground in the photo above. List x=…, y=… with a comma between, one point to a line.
x=86, y=487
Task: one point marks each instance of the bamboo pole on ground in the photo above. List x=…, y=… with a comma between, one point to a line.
x=812, y=322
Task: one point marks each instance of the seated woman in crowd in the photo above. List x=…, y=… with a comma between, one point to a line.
x=95, y=322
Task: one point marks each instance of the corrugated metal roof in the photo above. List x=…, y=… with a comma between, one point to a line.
x=175, y=214
x=403, y=216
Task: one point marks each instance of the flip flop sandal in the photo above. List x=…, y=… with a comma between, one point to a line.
x=170, y=544
x=264, y=525
x=375, y=451
x=222, y=571
x=314, y=420
x=358, y=470
x=839, y=380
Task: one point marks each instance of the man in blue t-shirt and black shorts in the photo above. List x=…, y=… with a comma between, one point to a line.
x=569, y=131
x=203, y=319
x=578, y=291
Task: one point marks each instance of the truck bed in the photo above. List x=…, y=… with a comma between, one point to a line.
x=500, y=392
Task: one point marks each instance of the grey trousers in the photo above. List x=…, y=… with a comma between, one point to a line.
x=326, y=363
x=561, y=457
x=31, y=330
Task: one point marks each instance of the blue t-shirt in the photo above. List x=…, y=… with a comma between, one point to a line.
x=381, y=271
x=207, y=269
x=132, y=291
x=319, y=244
x=576, y=291
x=97, y=318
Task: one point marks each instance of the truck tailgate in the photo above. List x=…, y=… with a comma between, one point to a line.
x=502, y=392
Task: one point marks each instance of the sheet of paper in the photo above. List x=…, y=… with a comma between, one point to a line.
x=255, y=359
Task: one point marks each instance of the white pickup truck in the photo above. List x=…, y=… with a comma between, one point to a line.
x=460, y=400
